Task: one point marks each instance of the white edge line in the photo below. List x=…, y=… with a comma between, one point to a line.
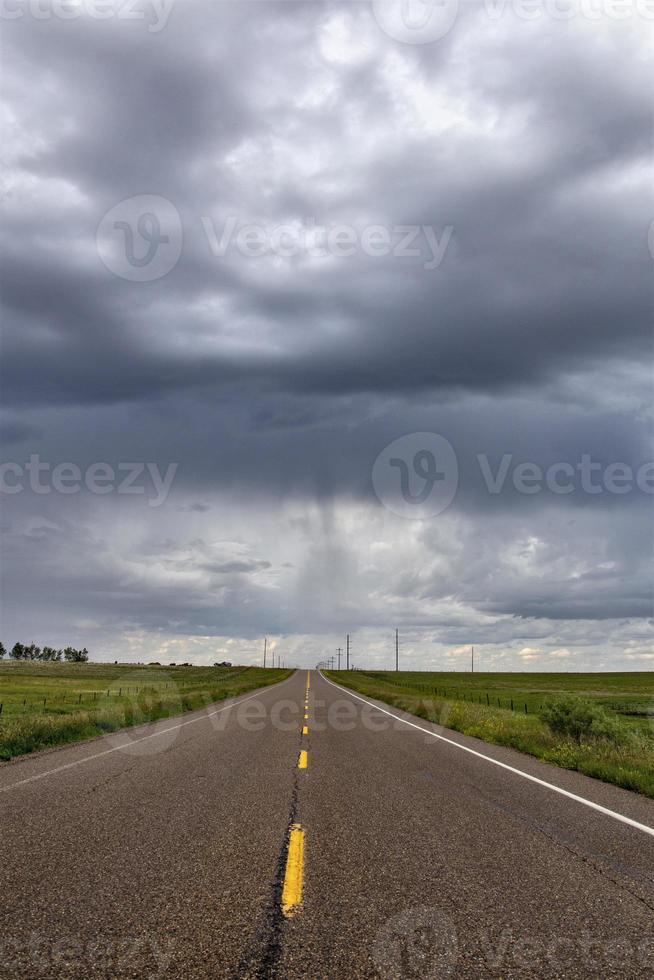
x=134, y=741
x=503, y=765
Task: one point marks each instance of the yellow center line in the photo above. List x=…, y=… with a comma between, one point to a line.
x=305, y=730
x=292, y=890
x=306, y=717
x=303, y=761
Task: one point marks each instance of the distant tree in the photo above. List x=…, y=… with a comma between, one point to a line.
x=2, y=650
x=50, y=654
x=32, y=652
x=76, y=656
x=18, y=652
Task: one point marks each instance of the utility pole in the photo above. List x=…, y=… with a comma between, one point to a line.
x=397, y=650
x=347, y=652
x=265, y=646
x=472, y=654
x=339, y=658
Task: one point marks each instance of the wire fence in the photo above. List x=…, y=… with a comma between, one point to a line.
x=102, y=698
x=490, y=700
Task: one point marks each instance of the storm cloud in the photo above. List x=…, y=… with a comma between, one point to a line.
x=359, y=238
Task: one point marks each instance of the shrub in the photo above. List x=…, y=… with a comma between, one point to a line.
x=580, y=720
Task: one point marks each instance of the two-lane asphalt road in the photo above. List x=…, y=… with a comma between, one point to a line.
x=304, y=832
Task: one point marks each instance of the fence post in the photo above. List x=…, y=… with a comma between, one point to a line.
x=526, y=710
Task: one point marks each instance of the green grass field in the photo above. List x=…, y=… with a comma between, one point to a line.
x=45, y=704
x=510, y=709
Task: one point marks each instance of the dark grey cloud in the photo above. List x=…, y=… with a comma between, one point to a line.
x=275, y=382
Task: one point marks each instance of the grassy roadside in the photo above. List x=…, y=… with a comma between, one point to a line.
x=619, y=752
x=45, y=705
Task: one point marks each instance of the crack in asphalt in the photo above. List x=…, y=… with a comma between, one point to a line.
x=600, y=862
x=261, y=960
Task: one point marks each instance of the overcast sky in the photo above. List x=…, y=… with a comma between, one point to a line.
x=253, y=245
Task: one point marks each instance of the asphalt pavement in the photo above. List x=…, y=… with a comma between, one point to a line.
x=247, y=840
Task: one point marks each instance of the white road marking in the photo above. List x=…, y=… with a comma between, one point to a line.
x=135, y=741
x=503, y=765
